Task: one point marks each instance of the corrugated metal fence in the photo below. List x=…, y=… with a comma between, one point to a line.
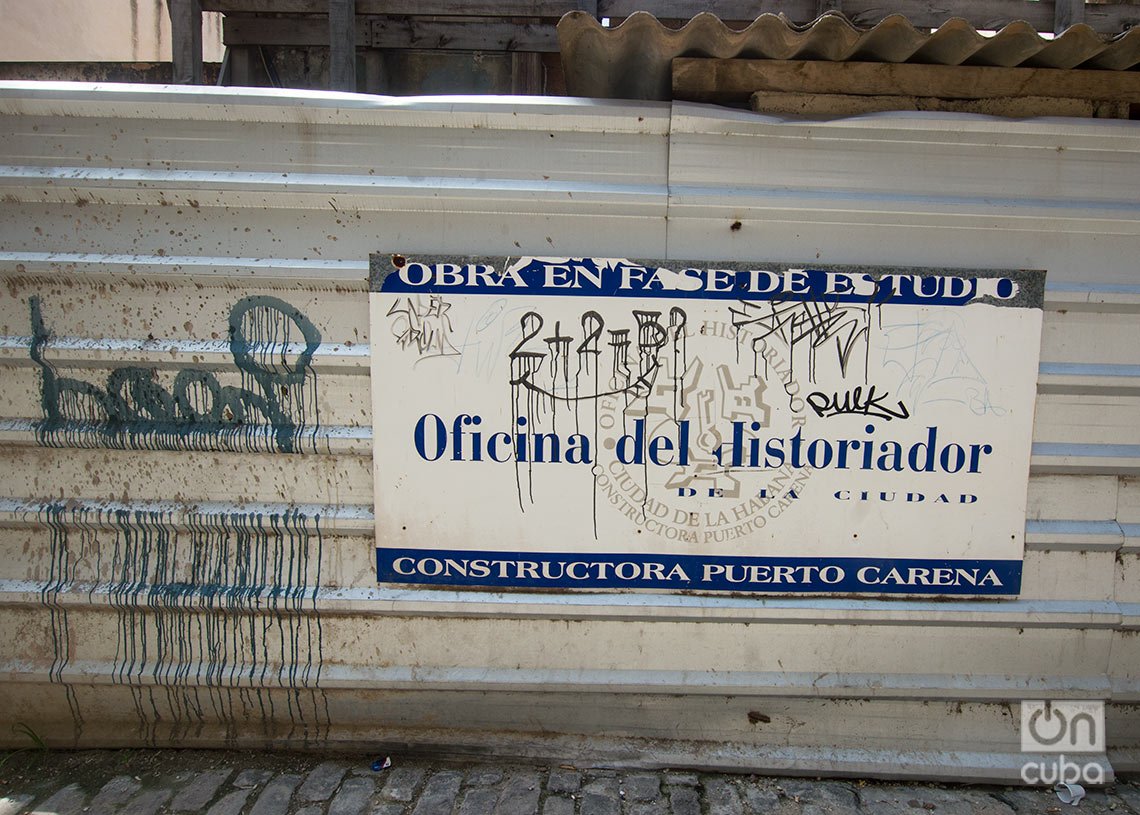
x=186, y=520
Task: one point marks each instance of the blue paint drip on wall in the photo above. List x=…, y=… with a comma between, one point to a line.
x=217, y=618
x=217, y=621
x=274, y=410
x=60, y=578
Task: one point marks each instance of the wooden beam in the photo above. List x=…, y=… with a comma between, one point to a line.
x=186, y=41
x=983, y=14
x=342, y=45
x=1110, y=18
x=396, y=33
x=921, y=13
x=735, y=80
x=1107, y=18
x=244, y=70
x=732, y=10
x=375, y=75
x=462, y=35
x=526, y=74
x=1067, y=13
x=827, y=104
x=296, y=31
x=460, y=8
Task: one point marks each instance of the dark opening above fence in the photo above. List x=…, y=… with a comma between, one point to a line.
x=523, y=27
x=1043, y=15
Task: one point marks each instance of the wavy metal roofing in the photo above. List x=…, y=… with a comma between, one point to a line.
x=632, y=60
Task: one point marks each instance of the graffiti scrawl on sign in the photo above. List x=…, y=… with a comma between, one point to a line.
x=582, y=423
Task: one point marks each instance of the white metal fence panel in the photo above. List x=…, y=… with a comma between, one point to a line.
x=173, y=573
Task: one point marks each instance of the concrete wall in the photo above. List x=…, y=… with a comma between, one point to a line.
x=168, y=583
x=95, y=31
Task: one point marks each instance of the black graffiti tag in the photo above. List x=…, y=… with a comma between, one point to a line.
x=857, y=402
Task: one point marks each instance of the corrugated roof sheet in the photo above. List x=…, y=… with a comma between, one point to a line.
x=632, y=60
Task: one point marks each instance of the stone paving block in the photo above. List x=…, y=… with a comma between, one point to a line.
x=601, y=795
x=322, y=781
x=439, y=794
x=642, y=787
x=147, y=802
x=591, y=803
x=252, y=778
x=1027, y=800
x=658, y=807
x=827, y=808
x=14, y=804
x=199, y=792
x=402, y=782
x=113, y=795
x=66, y=801
x=174, y=786
x=563, y=781
x=606, y=786
x=1098, y=802
x=827, y=796
x=275, y=798
x=479, y=801
x=232, y=803
x=484, y=776
x=684, y=800
x=353, y=797
x=558, y=805
x=759, y=798
x=911, y=800
x=980, y=803
x=520, y=794
x=722, y=797
x=1116, y=803
x=1129, y=793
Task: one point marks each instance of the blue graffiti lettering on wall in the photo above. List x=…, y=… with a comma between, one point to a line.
x=274, y=409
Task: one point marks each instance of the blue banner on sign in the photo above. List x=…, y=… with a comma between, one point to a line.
x=549, y=570
x=594, y=277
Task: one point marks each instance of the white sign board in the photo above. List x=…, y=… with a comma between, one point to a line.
x=588, y=423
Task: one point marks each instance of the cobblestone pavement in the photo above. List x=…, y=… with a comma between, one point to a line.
x=171, y=782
